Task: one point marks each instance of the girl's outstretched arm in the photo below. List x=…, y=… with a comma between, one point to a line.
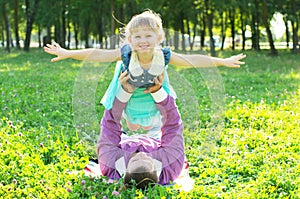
x=202, y=61
x=90, y=54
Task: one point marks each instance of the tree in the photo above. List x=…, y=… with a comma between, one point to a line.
x=6, y=25
x=243, y=11
x=223, y=16
x=30, y=17
x=295, y=15
x=202, y=19
x=16, y=23
x=74, y=19
x=209, y=14
x=93, y=19
x=254, y=5
x=192, y=34
x=291, y=12
x=266, y=21
x=63, y=28
x=45, y=20
x=112, y=25
x=232, y=15
x=287, y=32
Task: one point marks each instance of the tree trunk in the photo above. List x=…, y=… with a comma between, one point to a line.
x=86, y=37
x=69, y=36
x=86, y=32
x=100, y=31
x=191, y=38
x=176, y=40
x=30, y=16
x=287, y=33
x=202, y=22
x=243, y=28
x=100, y=25
x=16, y=23
x=10, y=36
x=209, y=14
x=295, y=36
x=267, y=26
x=63, y=25
x=223, y=28
x=39, y=36
x=295, y=26
x=112, y=26
x=232, y=26
x=167, y=37
x=211, y=35
x=76, y=34
x=57, y=35
x=6, y=26
x=255, y=27
x=182, y=31
x=202, y=31
x=2, y=33
x=47, y=38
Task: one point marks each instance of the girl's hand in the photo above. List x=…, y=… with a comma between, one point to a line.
x=234, y=61
x=158, y=83
x=55, y=49
x=123, y=79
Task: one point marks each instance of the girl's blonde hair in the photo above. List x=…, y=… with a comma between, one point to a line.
x=146, y=19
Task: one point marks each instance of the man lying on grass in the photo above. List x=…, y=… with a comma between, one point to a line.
x=143, y=159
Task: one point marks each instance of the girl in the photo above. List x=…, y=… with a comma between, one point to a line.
x=142, y=60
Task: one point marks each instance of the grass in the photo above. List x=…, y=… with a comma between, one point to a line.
x=246, y=146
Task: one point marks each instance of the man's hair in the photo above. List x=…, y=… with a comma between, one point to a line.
x=140, y=178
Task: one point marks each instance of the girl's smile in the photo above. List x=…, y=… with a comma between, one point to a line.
x=144, y=40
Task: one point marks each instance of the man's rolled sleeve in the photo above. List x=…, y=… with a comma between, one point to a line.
x=122, y=95
x=160, y=95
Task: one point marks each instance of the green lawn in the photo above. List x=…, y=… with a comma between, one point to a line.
x=242, y=128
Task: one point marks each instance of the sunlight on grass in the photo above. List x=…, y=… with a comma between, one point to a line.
x=254, y=155
x=9, y=68
x=7, y=56
x=293, y=75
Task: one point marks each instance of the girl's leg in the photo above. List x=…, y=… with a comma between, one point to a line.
x=134, y=127
x=146, y=128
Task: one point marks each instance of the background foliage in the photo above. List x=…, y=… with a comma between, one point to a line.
x=78, y=23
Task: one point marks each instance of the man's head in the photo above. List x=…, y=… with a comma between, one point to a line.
x=141, y=170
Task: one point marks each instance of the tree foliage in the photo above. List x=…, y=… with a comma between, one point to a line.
x=91, y=22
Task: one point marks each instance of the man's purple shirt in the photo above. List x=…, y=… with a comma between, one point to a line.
x=169, y=150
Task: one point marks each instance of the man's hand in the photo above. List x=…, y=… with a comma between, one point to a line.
x=158, y=83
x=123, y=79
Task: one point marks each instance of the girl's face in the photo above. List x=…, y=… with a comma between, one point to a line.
x=144, y=40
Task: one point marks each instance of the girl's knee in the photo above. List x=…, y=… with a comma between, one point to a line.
x=133, y=127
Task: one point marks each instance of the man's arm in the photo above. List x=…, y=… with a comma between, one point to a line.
x=109, y=149
x=171, y=152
